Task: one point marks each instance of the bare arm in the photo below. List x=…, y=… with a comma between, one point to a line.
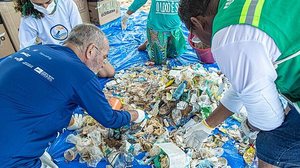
x=136, y=4
x=220, y=114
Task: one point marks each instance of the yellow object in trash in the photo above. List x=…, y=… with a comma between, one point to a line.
x=249, y=155
x=170, y=82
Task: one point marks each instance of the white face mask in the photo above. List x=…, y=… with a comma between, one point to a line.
x=47, y=11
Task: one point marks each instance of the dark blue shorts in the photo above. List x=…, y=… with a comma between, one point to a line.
x=281, y=147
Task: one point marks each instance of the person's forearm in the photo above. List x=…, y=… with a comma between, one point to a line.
x=136, y=4
x=220, y=114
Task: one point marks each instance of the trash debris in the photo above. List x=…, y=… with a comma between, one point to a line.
x=173, y=100
x=249, y=155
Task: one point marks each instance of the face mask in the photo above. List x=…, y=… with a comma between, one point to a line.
x=47, y=11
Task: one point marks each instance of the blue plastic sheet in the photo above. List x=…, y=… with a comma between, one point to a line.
x=123, y=54
x=123, y=44
x=235, y=160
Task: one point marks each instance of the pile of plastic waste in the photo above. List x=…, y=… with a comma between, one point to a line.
x=173, y=101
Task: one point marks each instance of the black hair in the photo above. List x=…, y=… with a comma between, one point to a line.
x=26, y=8
x=191, y=8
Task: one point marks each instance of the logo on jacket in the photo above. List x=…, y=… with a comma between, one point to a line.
x=59, y=32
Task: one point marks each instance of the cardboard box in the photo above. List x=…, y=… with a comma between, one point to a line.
x=6, y=47
x=11, y=19
x=83, y=10
x=104, y=11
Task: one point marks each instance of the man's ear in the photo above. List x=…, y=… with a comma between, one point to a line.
x=201, y=29
x=89, y=51
x=197, y=23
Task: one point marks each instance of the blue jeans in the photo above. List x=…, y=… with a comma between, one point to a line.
x=281, y=147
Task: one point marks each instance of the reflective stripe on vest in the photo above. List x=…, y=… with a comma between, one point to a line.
x=251, y=12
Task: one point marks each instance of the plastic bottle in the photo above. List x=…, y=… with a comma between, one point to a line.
x=120, y=162
x=70, y=154
x=129, y=159
x=179, y=91
x=176, y=116
x=124, y=160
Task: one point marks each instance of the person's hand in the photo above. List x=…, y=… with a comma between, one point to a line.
x=195, y=135
x=247, y=131
x=47, y=161
x=77, y=122
x=141, y=116
x=124, y=21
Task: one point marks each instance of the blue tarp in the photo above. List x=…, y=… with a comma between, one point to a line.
x=123, y=54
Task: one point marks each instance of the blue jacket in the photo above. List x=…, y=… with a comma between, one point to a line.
x=40, y=86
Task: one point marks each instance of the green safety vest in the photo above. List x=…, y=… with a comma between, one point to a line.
x=280, y=20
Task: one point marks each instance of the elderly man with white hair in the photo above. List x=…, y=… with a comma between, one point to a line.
x=41, y=85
